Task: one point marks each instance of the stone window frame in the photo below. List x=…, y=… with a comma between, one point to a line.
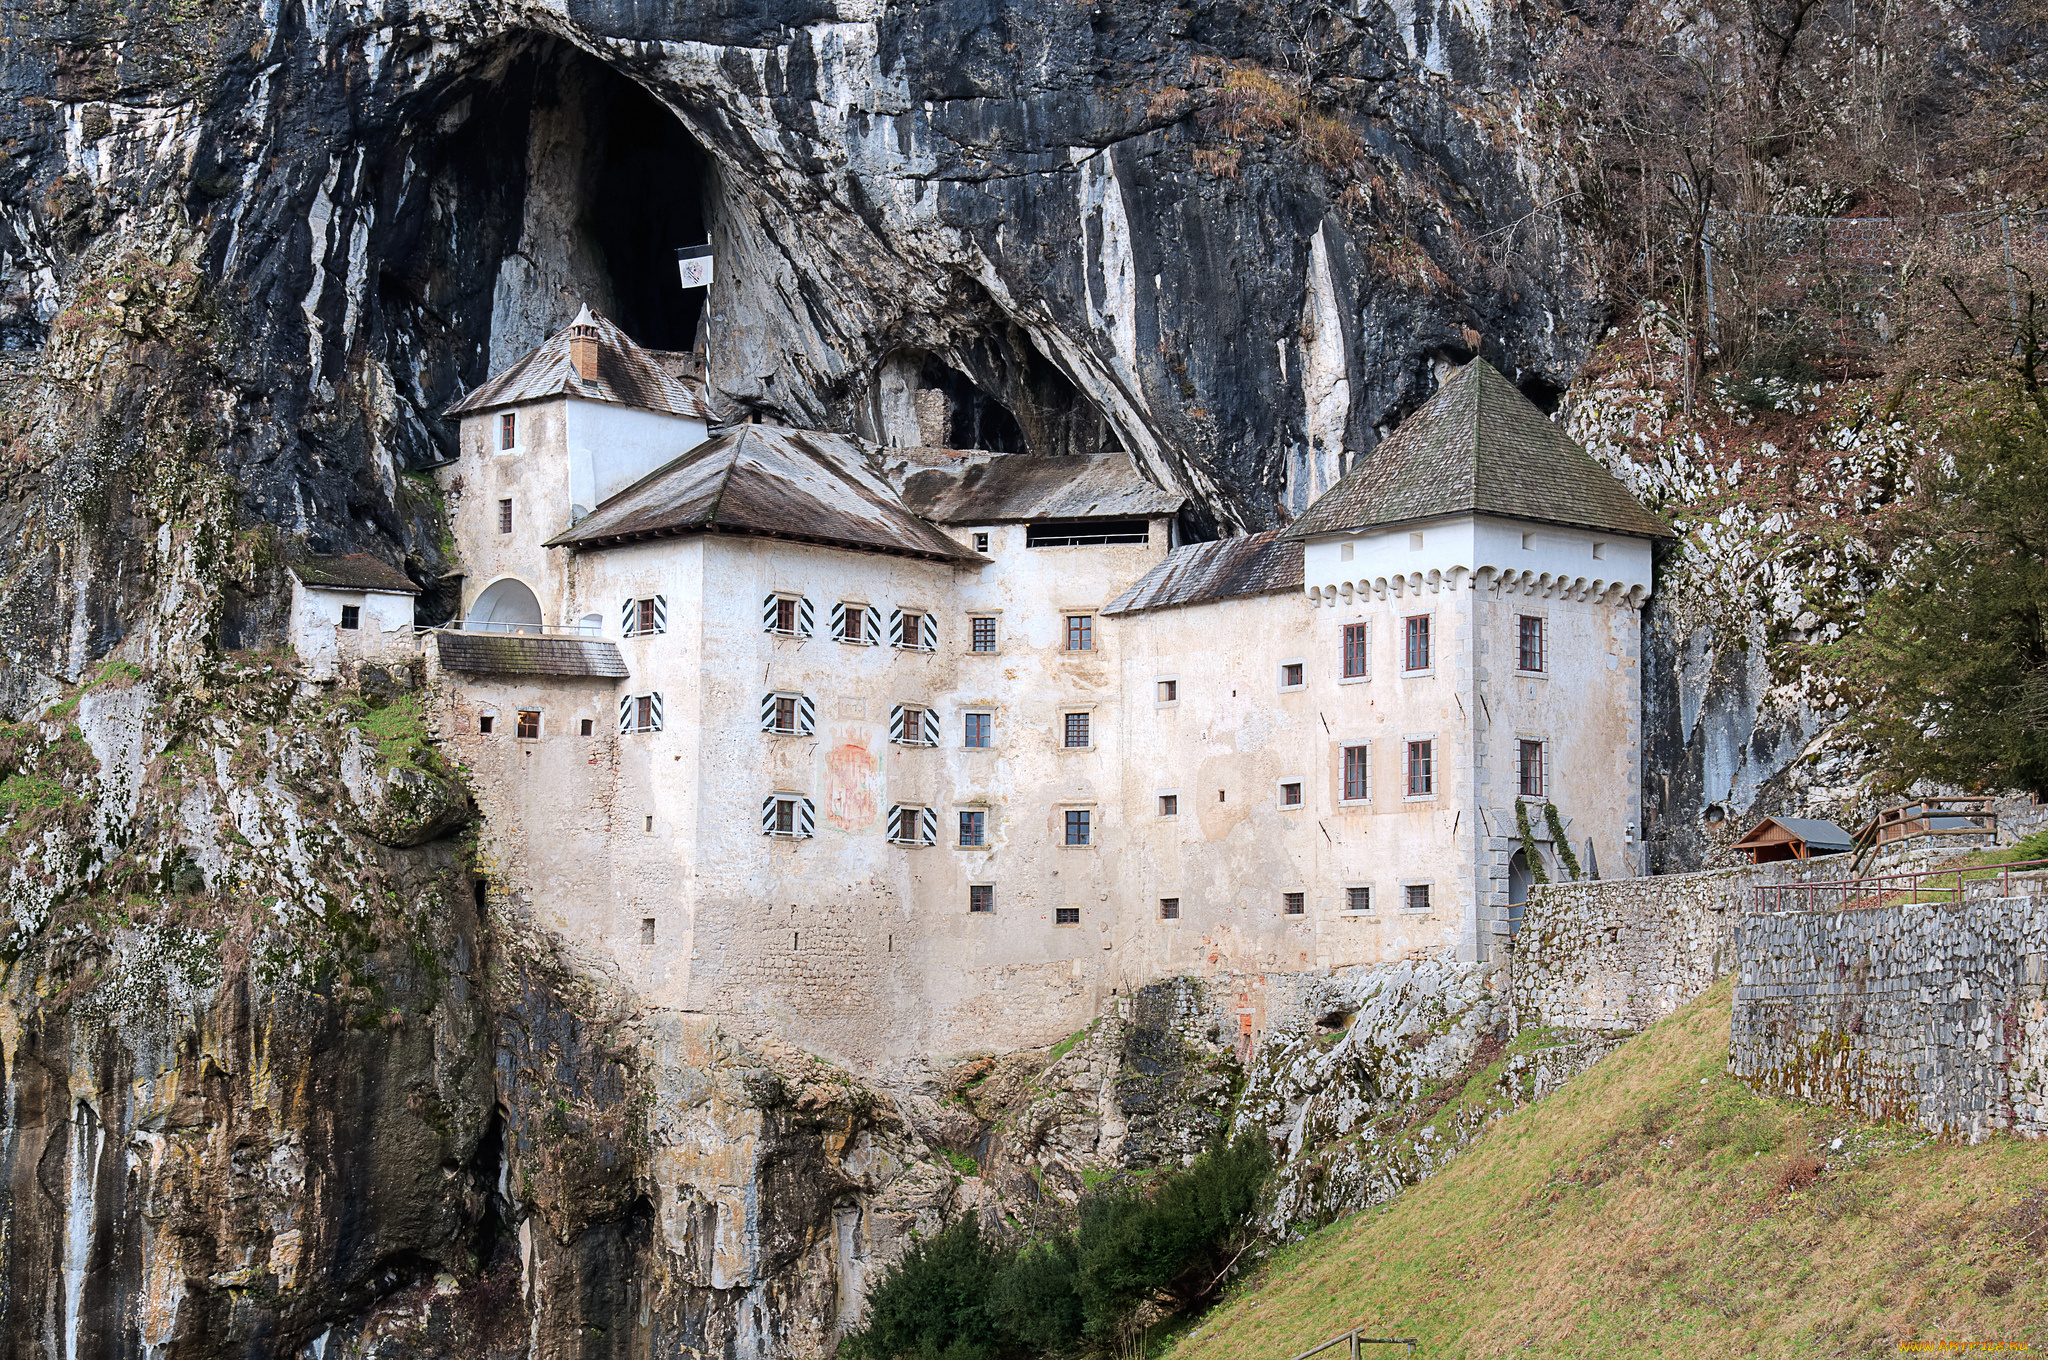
x=1364, y=677
x=1546, y=775
x=1542, y=616
x=1344, y=746
x=1430, y=640
x=1159, y=797
x=995, y=619
x=1062, y=812
x=1300, y=787
x=1280, y=674
x=1428, y=886
x=1060, y=729
x=988, y=828
x=352, y=618
x=1436, y=762
x=1294, y=902
x=1158, y=691
x=1357, y=886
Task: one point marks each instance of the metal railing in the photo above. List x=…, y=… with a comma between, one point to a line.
x=1357, y=1340
x=1925, y=887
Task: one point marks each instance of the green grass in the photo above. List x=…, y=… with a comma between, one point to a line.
x=1655, y=1206
x=1066, y=1045
x=962, y=1163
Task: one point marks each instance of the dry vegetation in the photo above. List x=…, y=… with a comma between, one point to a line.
x=1657, y=1207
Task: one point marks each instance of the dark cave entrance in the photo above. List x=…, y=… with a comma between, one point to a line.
x=647, y=197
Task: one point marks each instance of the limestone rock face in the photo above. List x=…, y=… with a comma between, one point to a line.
x=400, y=804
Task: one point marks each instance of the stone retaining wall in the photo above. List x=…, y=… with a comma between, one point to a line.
x=1621, y=954
x=1928, y=1014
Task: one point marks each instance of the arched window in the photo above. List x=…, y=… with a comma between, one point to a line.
x=506, y=607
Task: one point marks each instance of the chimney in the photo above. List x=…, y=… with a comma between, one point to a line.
x=583, y=341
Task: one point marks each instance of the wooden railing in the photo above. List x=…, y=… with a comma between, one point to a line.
x=1928, y=887
x=1356, y=1339
x=1930, y=817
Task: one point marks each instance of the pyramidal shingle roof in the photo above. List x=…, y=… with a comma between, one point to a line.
x=1478, y=446
x=627, y=375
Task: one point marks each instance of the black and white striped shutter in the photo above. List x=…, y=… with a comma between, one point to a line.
x=928, y=826
x=873, y=622
x=768, y=815
x=625, y=713
x=768, y=612
x=654, y=711
x=804, y=616
x=896, y=724
x=838, y=620
x=928, y=633
x=892, y=827
x=806, y=817
x=896, y=629
x=661, y=613
x=806, y=715
x=930, y=735
x=626, y=618
x=768, y=712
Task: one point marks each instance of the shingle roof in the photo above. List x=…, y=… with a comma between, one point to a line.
x=1478, y=447
x=515, y=654
x=627, y=375
x=353, y=571
x=1015, y=486
x=1818, y=834
x=1198, y=573
x=798, y=485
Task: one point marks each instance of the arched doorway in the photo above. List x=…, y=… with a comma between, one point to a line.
x=1520, y=880
x=506, y=606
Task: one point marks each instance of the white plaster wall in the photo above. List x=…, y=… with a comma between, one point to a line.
x=1472, y=544
x=611, y=447
x=535, y=477
x=384, y=631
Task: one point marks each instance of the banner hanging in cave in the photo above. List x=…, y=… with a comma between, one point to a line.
x=694, y=263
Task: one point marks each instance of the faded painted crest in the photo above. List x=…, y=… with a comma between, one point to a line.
x=853, y=778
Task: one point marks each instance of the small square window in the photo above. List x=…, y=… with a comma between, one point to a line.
x=508, y=430
x=910, y=632
x=1294, y=904
x=1077, y=731
x=1358, y=899
x=1415, y=657
x=981, y=897
x=981, y=543
x=855, y=627
x=1169, y=908
x=1080, y=632
x=1078, y=828
x=1415, y=896
x=1290, y=795
x=1066, y=916
x=1355, y=661
x=529, y=724
x=1421, y=768
x=351, y=616
x=974, y=828
x=1169, y=691
x=1290, y=675
x=984, y=633
x=905, y=828
x=484, y=724
x=586, y=727
x=977, y=729
x=1169, y=805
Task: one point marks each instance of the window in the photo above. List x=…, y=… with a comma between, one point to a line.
x=976, y=734
x=1080, y=632
x=981, y=897
x=640, y=713
x=1077, y=733
x=974, y=828
x=1356, y=767
x=788, y=814
x=1169, y=805
x=1291, y=675
x=1415, y=896
x=912, y=725
x=1421, y=768
x=1358, y=899
x=351, y=616
x=856, y=623
x=484, y=723
x=1529, y=769
x=1529, y=643
x=787, y=615
x=1169, y=691
x=913, y=826
x=981, y=543
x=1077, y=533
x=644, y=616
x=638, y=617
x=1415, y=657
x=917, y=632
x=1294, y=904
x=505, y=515
x=508, y=430
x=1290, y=794
x=1169, y=908
x=1077, y=826
x=852, y=627
x=1066, y=916
x=984, y=632
x=529, y=724
x=785, y=713
x=1354, y=651
x=586, y=727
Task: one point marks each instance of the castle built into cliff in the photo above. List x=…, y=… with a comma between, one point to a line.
x=919, y=750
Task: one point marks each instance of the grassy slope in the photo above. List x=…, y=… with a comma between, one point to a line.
x=1644, y=1210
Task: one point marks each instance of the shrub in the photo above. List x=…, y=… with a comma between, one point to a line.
x=935, y=1302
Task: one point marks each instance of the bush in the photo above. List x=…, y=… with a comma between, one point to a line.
x=935, y=1302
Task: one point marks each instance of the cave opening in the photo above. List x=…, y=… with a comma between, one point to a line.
x=647, y=197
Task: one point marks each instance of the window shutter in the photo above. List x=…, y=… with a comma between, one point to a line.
x=838, y=620
x=896, y=629
x=806, y=817
x=768, y=612
x=804, y=616
x=768, y=815
x=930, y=735
x=874, y=627
x=626, y=620
x=928, y=826
x=656, y=706
x=896, y=724
x=928, y=633
x=806, y=715
x=661, y=613
x=892, y=826
x=625, y=713
x=767, y=712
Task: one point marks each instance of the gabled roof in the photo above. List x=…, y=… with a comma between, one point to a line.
x=516, y=654
x=1016, y=486
x=627, y=375
x=353, y=571
x=1478, y=446
x=1229, y=569
x=798, y=485
x=1817, y=834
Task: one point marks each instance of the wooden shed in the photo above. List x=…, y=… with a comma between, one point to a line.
x=1776, y=838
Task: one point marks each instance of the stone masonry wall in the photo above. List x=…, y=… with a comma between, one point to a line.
x=1621, y=954
x=1929, y=1014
